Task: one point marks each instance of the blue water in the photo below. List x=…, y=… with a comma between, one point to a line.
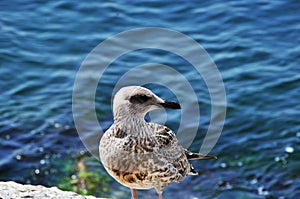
x=255, y=44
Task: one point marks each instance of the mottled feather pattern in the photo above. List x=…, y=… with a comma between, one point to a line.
x=164, y=136
x=153, y=160
x=138, y=154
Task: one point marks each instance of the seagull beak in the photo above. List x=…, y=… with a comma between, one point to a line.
x=169, y=104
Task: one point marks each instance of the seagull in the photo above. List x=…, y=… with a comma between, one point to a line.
x=140, y=154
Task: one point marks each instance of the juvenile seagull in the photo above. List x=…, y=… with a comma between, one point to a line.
x=142, y=155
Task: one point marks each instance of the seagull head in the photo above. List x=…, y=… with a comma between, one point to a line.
x=137, y=100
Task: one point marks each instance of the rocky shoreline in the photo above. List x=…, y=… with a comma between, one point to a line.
x=13, y=190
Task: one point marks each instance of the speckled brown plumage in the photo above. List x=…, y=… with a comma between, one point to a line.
x=143, y=155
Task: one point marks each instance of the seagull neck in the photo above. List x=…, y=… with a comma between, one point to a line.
x=135, y=125
x=129, y=119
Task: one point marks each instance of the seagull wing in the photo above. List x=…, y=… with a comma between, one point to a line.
x=172, y=151
x=167, y=138
x=164, y=136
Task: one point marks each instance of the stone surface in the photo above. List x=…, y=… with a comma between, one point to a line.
x=13, y=190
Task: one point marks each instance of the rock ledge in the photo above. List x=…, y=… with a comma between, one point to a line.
x=12, y=190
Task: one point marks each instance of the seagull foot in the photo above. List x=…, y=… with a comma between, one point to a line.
x=133, y=194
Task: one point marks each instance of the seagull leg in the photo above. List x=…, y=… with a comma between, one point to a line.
x=159, y=191
x=160, y=196
x=134, y=194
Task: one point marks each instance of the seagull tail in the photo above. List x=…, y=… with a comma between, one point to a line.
x=193, y=172
x=198, y=156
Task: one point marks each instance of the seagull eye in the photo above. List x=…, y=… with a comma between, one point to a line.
x=139, y=99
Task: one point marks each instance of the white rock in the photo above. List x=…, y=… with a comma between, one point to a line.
x=10, y=190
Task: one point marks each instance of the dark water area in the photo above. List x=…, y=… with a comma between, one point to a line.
x=255, y=44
